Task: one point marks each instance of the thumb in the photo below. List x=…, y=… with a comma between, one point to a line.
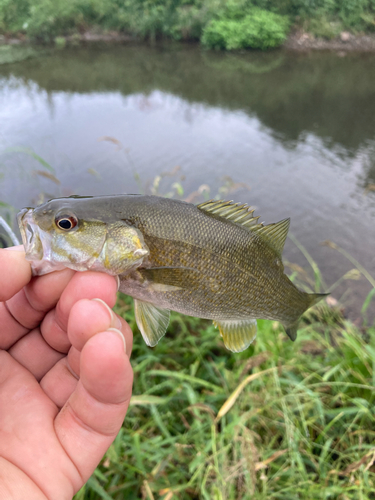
x=93, y=415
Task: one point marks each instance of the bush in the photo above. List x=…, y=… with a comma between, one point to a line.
x=50, y=17
x=13, y=13
x=352, y=11
x=259, y=29
x=323, y=28
x=190, y=22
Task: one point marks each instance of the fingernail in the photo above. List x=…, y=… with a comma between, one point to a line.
x=18, y=248
x=115, y=320
x=114, y=330
x=71, y=369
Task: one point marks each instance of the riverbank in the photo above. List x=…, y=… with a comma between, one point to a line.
x=218, y=24
x=298, y=40
x=303, y=41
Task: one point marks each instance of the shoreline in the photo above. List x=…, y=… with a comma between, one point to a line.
x=301, y=41
x=298, y=41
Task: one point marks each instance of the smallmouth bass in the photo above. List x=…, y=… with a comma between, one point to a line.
x=213, y=260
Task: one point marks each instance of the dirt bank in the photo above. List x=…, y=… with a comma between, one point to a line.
x=345, y=42
x=298, y=40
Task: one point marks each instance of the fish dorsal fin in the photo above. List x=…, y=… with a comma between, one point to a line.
x=275, y=234
x=237, y=334
x=235, y=212
x=151, y=320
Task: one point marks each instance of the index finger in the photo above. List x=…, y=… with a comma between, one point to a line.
x=83, y=285
x=16, y=271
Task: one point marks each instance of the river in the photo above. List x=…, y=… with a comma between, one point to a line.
x=291, y=134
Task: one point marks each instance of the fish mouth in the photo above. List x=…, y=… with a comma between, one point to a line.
x=30, y=235
x=37, y=243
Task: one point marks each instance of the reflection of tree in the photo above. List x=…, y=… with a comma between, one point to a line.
x=330, y=96
x=11, y=53
x=259, y=63
x=369, y=170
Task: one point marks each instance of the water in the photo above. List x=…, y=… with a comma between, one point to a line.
x=293, y=135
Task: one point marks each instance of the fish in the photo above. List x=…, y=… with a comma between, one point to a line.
x=213, y=260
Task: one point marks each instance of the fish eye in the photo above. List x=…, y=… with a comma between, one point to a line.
x=66, y=222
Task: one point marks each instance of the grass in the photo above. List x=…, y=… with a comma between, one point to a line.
x=281, y=420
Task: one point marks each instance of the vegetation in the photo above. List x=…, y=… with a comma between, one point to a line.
x=258, y=29
x=281, y=420
x=230, y=24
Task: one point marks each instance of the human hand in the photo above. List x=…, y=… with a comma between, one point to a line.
x=65, y=378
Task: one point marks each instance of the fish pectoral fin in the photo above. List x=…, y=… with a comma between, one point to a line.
x=151, y=320
x=237, y=334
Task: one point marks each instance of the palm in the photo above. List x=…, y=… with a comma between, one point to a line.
x=64, y=386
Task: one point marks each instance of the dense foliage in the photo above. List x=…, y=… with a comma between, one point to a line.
x=280, y=420
x=259, y=29
x=229, y=24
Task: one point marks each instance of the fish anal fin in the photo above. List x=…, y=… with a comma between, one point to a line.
x=152, y=321
x=237, y=334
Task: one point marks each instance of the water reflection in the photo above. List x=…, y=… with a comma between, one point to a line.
x=298, y=130
x=331, y=96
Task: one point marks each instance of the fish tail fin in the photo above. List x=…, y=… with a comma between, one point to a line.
x=312, y=299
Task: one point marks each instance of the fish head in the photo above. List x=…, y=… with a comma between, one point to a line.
x=67, y=232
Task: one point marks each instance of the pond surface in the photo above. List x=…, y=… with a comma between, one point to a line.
x=292, y=135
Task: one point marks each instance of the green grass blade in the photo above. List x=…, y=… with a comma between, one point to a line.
x=30, y=152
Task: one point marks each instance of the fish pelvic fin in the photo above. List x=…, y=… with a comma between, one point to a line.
x=312, y=299
x=237, y=334
x=152, y=321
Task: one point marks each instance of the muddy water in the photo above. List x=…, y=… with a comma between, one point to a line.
x=293, y=135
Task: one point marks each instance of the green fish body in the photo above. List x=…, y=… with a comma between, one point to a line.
x=211, y=261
